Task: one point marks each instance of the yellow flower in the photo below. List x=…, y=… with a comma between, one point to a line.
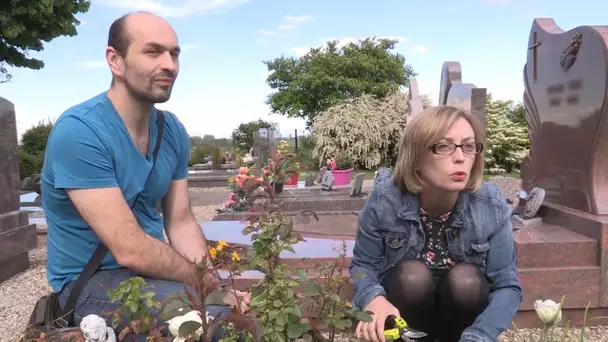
x=235, y=256
x=213, y=253
x=221, y=244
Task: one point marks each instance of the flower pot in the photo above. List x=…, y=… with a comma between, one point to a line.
x=342, y=177
x=293, y=180
x=278, y=187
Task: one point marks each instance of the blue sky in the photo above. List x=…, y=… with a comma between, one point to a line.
x=222, y=77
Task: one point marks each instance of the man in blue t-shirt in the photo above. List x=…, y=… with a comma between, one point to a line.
x=97, y=161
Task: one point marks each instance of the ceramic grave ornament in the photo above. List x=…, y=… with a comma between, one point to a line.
x=466, y=96
x=355, y=190
x=534, y=201
x=327, y=181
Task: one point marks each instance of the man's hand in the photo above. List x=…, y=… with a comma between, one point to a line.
x=238, y=299
x=374, y=331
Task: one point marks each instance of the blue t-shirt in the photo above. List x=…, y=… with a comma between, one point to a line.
x=90, y=147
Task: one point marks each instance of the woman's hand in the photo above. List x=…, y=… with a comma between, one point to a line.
x=238, y=299
x=374, y=331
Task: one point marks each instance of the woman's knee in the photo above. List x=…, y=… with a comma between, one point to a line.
x=411, y=276
x=466, y=286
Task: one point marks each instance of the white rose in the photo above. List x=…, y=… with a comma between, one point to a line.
x=548, y=311
x=175, y=322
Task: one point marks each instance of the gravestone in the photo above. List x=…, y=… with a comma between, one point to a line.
x=357, y=184
x=327, y=181
x=310, y=180
x=565, y=97
x=466, y=96
x=17, y=236
x=320, y=174
x=566, y=106
x=415, y=105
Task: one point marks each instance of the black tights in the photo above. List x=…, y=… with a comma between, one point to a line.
x=442, y=309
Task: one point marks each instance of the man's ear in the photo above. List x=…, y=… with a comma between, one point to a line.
x=115, y=62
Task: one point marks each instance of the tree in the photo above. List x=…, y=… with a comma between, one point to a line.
x=26, y=24
x=507, y=141
x=242, y=136
x=368, y=130
x=324, y=77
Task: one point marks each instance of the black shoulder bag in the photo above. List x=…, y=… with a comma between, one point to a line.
x=47, y=313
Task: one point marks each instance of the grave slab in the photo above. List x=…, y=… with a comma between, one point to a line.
x=17, y=236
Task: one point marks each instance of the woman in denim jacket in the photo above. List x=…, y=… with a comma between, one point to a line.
x=435, y=243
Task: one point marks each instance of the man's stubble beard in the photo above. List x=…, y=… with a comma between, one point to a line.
x=147, y=95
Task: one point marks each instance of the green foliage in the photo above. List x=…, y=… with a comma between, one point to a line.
x=135, y=306
x=367, y=130
x=325, y=77
x=507, y=141
x=216, y=157
x=26, y=24
x=275, y=300
x=324, y=300
x=242, y=136
x=34, y=140
x=28, y=164
x=198, y=154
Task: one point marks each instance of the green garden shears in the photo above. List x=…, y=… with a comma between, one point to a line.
x=401, y=330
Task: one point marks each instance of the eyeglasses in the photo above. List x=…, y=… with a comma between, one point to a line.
x=446, y=148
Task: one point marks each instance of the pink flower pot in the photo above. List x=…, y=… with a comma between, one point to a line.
x=342, y=177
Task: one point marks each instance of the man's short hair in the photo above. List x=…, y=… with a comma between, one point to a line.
x=423, y=131
x=118, y=37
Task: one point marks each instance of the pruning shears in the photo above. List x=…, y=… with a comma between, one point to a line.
x=401, y=330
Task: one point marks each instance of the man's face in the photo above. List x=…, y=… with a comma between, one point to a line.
x=152, y=61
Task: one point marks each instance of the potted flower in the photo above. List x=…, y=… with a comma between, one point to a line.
x=341, y=169
x=280, y=168
x=284, y=150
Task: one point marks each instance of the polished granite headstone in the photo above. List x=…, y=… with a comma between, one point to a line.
x=565, y=79
x=467, y=96
x=17, y=235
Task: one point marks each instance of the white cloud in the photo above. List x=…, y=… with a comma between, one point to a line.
x=498, y=2
x=420, y=49
x=302, y=50
x=93, y=64
x=298, y=20
x=289, y=23
x=267, y=32
x=449, y=9
x=187, y=47
x=173, y=8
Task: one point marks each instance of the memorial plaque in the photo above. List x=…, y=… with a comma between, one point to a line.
x=327, y=181
x=566, y=104
x=357, y=184
x=453, y=92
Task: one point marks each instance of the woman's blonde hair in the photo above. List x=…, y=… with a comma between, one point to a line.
x=424, y=130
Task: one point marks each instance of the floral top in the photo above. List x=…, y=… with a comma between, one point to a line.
x=435, y=252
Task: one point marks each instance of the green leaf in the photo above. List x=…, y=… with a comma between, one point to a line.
x=295, y=330
x=282, y=319
x=363, y=316
x=176, y=304
x=216, y=298
x=188, y=328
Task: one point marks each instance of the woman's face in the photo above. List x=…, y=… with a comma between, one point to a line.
x=447, y=167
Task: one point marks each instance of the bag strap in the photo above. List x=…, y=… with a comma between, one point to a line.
x=102, y=250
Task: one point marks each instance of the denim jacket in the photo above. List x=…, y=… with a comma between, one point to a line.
x=389, y=231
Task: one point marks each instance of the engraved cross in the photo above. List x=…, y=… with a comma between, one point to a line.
x=535, y=45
